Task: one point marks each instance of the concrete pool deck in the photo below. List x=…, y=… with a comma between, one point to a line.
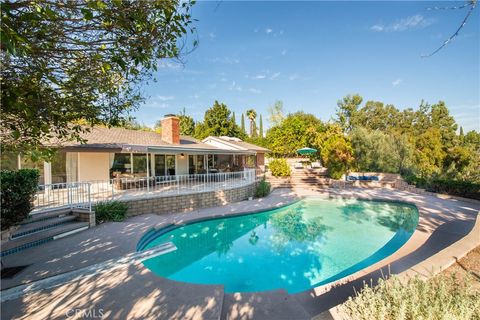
x=447, y=230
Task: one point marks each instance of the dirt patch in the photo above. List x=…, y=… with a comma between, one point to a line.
x=470, y=264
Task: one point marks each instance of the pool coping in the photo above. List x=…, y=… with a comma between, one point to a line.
x=424, y=269
x=324, y=299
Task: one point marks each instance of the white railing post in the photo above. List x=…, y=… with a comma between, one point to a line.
x=89, y=199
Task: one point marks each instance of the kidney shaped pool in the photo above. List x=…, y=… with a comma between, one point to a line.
x=309, y=243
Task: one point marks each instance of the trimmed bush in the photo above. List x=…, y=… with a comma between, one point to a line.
x=18, y=188
x=263, y=189
x=279, y=168
x=110, y=211
x=459, y=188
x=442, y=297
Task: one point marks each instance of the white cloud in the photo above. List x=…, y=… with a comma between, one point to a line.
x=255, y=30
x=212, y=35
x=284, y=52
x=377, y=27
x=275, y=76
x=235, y=87
x=253, y=90
x=225, y=60
x=293, y=77
x=413, y=22
x=268, y=30
x=396, y=82
x=165, y=98
x=260, y=76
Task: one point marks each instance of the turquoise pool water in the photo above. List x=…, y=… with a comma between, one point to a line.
x=303, y=245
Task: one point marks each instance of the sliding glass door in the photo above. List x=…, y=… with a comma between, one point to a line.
x=160, y=165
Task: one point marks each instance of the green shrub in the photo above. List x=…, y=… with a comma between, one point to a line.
x=17, y=191
x=459, y=188
x=279, y=168
x=263, y=189
x=442, y=297
x=110, y=211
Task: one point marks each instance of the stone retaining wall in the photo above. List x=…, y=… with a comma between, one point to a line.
x=188, y=202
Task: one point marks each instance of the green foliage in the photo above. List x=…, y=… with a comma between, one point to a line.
x=347, y=109
x=252, y=115
x=461, y=188
x=276, y=113
x=64, y=61
x=110, y=211
x=442, y=297
x=378, y=152
x=279, y=168
x=218, y=122
x=187, y=124
x=336, y=152
x=17, y=191
x=263, y=189
x=296, y=131
x=260, y=129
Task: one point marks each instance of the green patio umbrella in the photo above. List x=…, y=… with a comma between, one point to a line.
x=306, y=151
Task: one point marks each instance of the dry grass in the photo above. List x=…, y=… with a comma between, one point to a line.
x=453, y=294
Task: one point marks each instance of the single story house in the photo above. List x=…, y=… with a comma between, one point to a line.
x=124, y=153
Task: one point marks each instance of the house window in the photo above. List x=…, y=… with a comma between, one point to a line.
x=59, y=167
x=121, y=164
x=170, y=159
x=140, y=164
x=160, y=165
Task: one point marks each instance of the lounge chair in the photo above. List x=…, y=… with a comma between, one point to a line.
x=298, y=165
x=316, y=165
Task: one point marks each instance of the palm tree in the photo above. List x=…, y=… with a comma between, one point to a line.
x=252, y=114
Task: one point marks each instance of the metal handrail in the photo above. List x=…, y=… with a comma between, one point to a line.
x=87, y=193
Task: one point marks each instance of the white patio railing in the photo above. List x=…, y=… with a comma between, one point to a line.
x=84, y=194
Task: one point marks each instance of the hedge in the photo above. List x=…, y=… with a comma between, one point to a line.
x=18, y=188
x=459, y=188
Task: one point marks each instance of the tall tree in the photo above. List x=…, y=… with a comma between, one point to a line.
x=252, y=115
x=276, y=113
x=68, y=60
x=187, y=124
x=347, y=109
x=260, y=130
x=218, y=122
x=296, y=131
x=242, y=124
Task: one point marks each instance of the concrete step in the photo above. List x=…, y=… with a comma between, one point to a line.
x=37, y=238
x=51, y=214
x=40, y=225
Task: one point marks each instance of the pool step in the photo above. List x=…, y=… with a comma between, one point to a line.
x=37, y=238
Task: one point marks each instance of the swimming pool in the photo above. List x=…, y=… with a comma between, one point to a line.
x=306, y=244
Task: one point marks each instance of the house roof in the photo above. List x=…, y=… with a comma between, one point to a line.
x=120, y=139
x=237, y=144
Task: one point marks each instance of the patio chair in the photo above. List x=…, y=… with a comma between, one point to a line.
x=316, y=165
x=298, y=165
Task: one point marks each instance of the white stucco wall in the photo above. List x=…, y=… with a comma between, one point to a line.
x=93, y=166
x=182, y=164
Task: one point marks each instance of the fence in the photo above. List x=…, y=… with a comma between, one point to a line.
x=84, y=194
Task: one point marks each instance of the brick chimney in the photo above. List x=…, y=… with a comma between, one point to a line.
x=171, y=129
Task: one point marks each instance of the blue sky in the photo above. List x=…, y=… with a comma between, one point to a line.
x=311, y=54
